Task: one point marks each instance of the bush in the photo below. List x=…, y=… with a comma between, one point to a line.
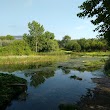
x=18, y=47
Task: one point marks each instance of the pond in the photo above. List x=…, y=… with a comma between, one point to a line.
x=50, y=86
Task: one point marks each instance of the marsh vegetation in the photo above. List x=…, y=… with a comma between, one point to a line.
x=9, y=88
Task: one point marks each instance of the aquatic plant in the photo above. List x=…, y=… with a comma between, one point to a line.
x=10, y=87
x=75, y=77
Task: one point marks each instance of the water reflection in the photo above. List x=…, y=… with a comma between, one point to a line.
x=49, y=87
x=15, y=67
x=36, y=79
x=38, y=76
x=78, y=106
x=66, y=71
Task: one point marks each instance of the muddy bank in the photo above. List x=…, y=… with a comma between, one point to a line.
x=96, y=99
x=99, y=98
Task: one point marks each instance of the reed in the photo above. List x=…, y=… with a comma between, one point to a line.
x=32, y=59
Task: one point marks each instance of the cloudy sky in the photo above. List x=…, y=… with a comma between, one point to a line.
x=57, y=16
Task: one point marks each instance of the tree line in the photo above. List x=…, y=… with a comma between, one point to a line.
x=39, y=40
x=83, y=45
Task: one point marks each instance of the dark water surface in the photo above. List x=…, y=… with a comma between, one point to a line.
x=49, y=87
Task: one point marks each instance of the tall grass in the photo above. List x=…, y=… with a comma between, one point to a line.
x=48, y=57
x=90, y=54
x=32, y=59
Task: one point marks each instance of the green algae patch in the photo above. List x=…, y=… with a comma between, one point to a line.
x=10, y=87
x=84, y=63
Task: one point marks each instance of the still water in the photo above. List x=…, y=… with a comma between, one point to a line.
x=49, y=87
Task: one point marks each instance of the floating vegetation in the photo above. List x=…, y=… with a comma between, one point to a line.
x=84, y=63
x=75, y=77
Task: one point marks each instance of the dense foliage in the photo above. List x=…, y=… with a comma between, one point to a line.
x=38, y=40
x=18, y=47
x=99, y=10
x=8, y=37
x=7, y=92
x=84, y=45
x=6, y=40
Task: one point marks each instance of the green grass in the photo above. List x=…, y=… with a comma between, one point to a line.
x=84, y=63
x=48, y=56
x=31, y=59
x=90, y=54
x=92, y=60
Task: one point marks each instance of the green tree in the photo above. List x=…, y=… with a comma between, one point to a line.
x=35, y=29
x=73, y=46
x=35, y=32
x=49, y=35
x=99, y=10
x=9, y=37
x=82, y=43
x=39, y=40
x=47, y=45
x=52, y=45
x=87, y=46
x=65, y=40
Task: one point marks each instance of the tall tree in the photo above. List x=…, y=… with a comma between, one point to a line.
x=35, y=29
x=35, y=32
x=82, y=43
x=73, y=46
x=39, y=40
x=65, y=40
x=99, y=10
x=49, y=35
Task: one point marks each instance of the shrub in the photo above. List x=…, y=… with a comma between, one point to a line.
x=18, y=47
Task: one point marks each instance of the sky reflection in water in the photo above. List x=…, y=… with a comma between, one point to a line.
x=50, y=87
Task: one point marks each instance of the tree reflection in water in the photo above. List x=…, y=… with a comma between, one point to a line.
x=40, y=76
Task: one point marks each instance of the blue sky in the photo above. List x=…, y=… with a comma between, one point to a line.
x=57, y=16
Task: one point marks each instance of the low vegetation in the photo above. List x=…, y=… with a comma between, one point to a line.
x=17, y=47
x=7, y=89
x=31, y=59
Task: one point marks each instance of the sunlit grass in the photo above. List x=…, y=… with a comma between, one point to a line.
x=31, y=59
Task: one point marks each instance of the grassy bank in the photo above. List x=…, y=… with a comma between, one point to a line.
x=49, y=56
x=31, y=59
x=8, y=88
x=14, y=63
x=75, y=60
x=90, y=54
